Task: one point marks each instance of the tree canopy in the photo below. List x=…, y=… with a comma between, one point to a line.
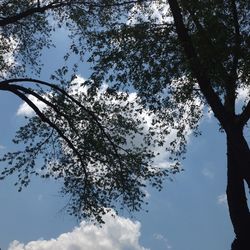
x=178, y=57
x=98, y=141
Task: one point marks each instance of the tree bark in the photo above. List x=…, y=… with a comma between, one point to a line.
x=238, y=160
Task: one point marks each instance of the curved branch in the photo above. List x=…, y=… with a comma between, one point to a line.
x=49, y=122
x=52, y=86
x=9, y=83
x=42, y=99
x=62, y=91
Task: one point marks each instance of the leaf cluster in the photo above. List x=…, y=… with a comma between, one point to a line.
x=109, y=161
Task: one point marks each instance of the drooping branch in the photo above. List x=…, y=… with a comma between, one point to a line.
x=59, y=4
x=52, y=86
x=45, y=101
x=93, y=116
x=197, y=68
x=42, y=99
x=71, y=98
x=45, y=119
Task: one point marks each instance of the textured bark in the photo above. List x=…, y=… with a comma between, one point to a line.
x=238, y=161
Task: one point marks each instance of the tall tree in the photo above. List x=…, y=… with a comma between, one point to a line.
x=178, y=56
x=175, y=53
x=233, y=66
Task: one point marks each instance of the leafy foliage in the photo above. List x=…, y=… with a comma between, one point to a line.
x=104, y=158
x=102, y=143
x=21, y=42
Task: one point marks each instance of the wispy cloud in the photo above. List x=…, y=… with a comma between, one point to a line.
x=207, y=173
x=162, y=238
x=222, y=199
x=117, y=234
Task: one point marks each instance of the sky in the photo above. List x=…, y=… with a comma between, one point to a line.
x=190, y=213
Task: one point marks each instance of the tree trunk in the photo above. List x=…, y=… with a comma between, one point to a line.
x=238, y=160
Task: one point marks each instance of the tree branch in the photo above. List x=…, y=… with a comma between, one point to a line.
x=228, y=80
x=29, y=12
x=58, y=4
x=205, y=35
x=197, y=68
x=55, y=87
x=48, y=103
x=12, y=89
x=230, y=97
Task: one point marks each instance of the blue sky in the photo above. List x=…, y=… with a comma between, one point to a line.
x=189, y=214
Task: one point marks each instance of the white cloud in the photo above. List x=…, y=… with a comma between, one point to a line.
x=77, y=85
x=222, y=199
x=157, y=12
x=2, y=147
x=116, y=234
x=243, y=93
x=25, y=109
x=243, y=98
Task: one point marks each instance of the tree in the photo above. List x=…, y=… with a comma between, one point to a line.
x=85, y=137
x=233, y=68
x=173, y=52
x=178, y=56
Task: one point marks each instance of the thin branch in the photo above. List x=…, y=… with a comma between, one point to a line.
x=55, y=87
x=44, y=83
x=33, y=154
x=28, y=91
